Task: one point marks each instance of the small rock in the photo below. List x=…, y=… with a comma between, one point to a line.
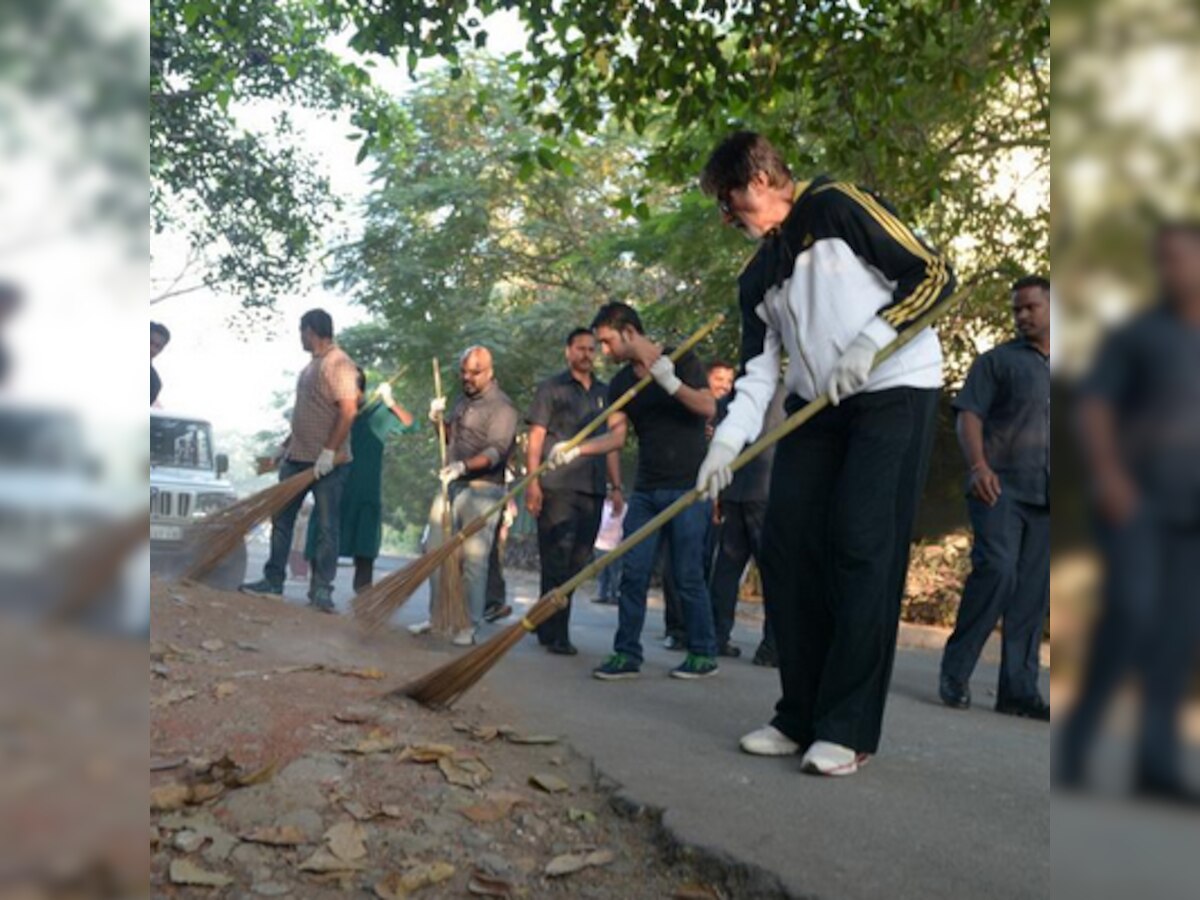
x=188, y=841
x=476, y=838
x=551, y=784
x=184, y=871
x=212, y=645
x=494, y=864
x=247, y=646
x=271, y=889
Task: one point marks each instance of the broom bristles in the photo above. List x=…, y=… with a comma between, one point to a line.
x=441, y=687
x=374, y=606
x=227, y=529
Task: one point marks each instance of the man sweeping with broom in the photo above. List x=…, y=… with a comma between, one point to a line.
x=669, y=417
x=836, y=277
x=482, y=429
x=326, y=404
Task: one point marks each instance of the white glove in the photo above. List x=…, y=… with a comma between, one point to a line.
x=324, y=464
x=852, y=370
x=452, y=472
x=561, y=455
x=437, y=406
x=715, y=474
x=663, y=371
x=385, y=394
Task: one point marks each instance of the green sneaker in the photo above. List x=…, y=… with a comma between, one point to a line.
x=695, y=666
x=262, y=588
x=617, y=666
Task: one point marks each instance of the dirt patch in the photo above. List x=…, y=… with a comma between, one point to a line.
x=282, y=766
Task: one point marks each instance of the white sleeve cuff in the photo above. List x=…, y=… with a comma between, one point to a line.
x=879, y=332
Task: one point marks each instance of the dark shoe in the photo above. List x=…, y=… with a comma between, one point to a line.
x=605, y=601
x=695, y=666
x=322, y=600
x=766, y=656
x=1033, y=708
x=954, y=693
x=562, y=648
x=617, y=666
x=496, y=613
x=731, y=650
x=262, y=588
x=674, y=642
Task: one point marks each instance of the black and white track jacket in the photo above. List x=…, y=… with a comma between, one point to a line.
x=839, y=265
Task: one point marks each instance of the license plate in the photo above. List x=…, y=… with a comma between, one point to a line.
x=165, y=533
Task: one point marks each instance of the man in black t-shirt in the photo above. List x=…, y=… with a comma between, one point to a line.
x=567, y=502
x=669, y=417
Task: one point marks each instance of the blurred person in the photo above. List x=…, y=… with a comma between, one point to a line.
x=611, y=518
x=668, y=417
x=159, y=338
x=741, y=510
x=1003, y=429
x=1139, y=426
x=10, y=301
x=836, y=277
x=481, y=431
x=361, y=529
x=323, y=414
x=568, y=501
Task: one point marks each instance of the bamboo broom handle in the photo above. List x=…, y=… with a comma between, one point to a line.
x=558, y=596
x=620, y=403
x=447, y=515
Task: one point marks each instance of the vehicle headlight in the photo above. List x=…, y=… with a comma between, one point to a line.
x=207, y=504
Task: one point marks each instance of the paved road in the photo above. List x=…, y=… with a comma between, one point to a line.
x=955, y=805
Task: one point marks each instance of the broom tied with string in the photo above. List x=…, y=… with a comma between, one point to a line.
x=224, y=531
x=441, y=687
x=447, y=608
x=374, y=606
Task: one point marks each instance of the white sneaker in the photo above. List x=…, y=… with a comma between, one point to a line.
x=420, y=627
x=768, y=741
x=827, y=758
x=464, y=638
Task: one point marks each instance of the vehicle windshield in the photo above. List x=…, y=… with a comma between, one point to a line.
x=182, y=443
x=37, y=439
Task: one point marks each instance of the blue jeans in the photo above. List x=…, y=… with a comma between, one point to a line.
x=686, y=532
x=610, y=577
x=327, y=496
x=468, y=501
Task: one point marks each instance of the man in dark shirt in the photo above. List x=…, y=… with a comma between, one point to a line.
x=567, y=501
x=481, y=431
x=1139, y=421
x=669, y=418
x=742, y=508
x=1004, y=432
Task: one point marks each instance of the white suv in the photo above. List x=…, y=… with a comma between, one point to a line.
x=186, y=484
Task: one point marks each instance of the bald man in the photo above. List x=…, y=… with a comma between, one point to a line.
x=481, y=430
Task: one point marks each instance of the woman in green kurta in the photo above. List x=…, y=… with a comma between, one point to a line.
x=362, y=507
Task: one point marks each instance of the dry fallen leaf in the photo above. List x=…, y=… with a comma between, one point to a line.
x=169, y=796
x=276, y=836
x=324, y=861
x=485, y=885
x=202, y=793
x=600, y=857
x=353, y=717
x=184, y=871
x=514, y=738
x=493, y=809
x=566, y=864
x=392, y=811
x=551, y=784
x=175, y=695
x=396, y=885
x=427, y=753
x=693, y=891
x=224, y=689
x=580, y=815
x=346, y=841
x=378, y=741
x=258, y=776
x=465, y=771
x=213, y=645
x=356, y=809
x=371, y=673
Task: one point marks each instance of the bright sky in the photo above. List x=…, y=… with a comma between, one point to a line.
x=212, y=370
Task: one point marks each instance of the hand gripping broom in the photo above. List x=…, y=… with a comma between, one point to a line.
x=444, y=685
x=374, y=606
x=448, y=608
